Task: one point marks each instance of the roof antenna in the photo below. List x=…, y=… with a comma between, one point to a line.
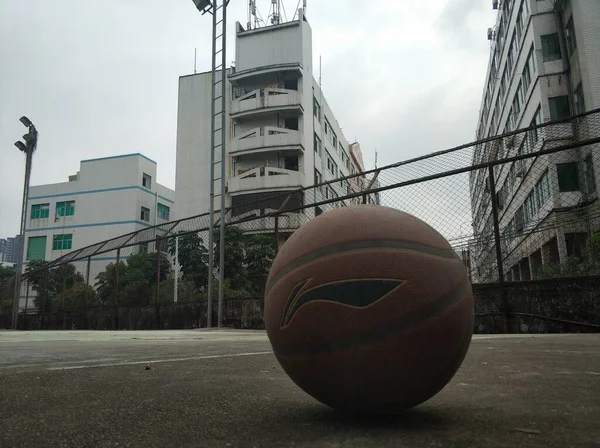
x=194, y=60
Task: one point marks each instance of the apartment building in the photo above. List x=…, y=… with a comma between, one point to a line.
x=281, y=133
x=106, y=198
x=544, y=66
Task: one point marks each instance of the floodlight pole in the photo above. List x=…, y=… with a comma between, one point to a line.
x=219, y=31
x=28, y=148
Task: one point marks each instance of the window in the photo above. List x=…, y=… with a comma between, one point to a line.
x=36, y=248
x=542, y=190
x=559, y=107
x=145, y=214
x=331, y=166
x=318, y=177
x=570, y=36
x=66, y=208
x=317, y=109
x=39, y=211
x=519, y=24
x=579, y=100
x=533, y=135
x=588, y=173
x=317, y=145
x=550, y=47
x=568, y=176
x=62, y=242
x=526, y=79
x=163, y=211
x=146, y=181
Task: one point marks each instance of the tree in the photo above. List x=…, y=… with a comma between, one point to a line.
x=49, y=284
x=192, y=258
x=7, y=286
x=260, y=253
x=137, y=280
x=235, y=257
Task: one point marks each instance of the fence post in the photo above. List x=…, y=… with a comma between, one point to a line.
x=117, y=290
x=157, y=243
x=364, y=198
x=276, y=233
x=44, y=297
x=62, y=299
x=503, y=298
x=26, y=305
x=87, y=290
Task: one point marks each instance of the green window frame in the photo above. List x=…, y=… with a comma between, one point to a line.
x=62, y=242
x=551, y=47
x=36, y=248
x=163, y=211
x=40, y=211
x=65, y=208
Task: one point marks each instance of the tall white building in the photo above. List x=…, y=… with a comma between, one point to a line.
x=544, y=66
x=108, y=197
x=281, y=133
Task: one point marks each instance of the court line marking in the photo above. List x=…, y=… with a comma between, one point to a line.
x=156, y=361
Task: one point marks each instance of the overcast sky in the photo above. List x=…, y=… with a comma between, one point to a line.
x=100, y=78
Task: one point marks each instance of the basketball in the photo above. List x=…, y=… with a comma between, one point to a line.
x=369, y=309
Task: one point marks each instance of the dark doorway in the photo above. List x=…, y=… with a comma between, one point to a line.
x=291, y=123
x=290, y=163
x=290, y=84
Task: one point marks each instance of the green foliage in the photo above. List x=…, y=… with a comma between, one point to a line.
x=7, y=286
x=593, y=246
x=49, y=284
x=137, y=280
x=193, y=259
x=571, y=267
x=235, y=253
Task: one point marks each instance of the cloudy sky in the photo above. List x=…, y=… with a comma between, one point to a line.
x=100, y=78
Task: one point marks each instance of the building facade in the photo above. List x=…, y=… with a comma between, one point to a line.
x=9, y=249
x=281, y=133
x=108, y=197
x=544, y=66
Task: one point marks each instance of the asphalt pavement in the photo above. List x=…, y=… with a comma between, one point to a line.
x=225, y=389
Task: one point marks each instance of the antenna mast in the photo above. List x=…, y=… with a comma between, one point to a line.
x=276, y=17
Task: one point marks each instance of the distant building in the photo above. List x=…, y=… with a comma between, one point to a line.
x=9, y=249
x=544, y=66
x=281, y=133
x=108, y=197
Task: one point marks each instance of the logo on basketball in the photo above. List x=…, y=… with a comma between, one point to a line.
x=357, y=293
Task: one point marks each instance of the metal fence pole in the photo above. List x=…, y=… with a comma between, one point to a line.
x=364, y=198
x=87, y=290
x=157, y=282
x=62, y=299
x=44, y=297
x=26, y=304
x=276, y=233
x=503, y=298
x=116, y=305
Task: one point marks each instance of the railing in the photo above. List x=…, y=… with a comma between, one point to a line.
x=266, y=100
x=265, y=178
x=267, y=138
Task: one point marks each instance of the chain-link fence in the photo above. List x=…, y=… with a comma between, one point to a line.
x=521, y=207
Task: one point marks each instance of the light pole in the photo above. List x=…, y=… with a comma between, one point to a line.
x=28, y=148
x=218, y=33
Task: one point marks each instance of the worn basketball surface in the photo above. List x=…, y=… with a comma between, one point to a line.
x=369, y=309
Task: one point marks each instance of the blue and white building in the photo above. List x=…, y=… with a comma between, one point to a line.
x=106, y=198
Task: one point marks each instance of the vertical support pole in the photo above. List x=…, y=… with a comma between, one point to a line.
x=26, y=305
x=157, y=244
x=503, y=298
x=116, y=305
x=364, y=198
x=276, y=233
x=87, y=290
x=176, y=279
x=62, y=296
x=44, y=297
x=223, y=158
x=212, y=171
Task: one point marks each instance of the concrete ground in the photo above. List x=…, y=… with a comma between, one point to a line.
x=226, y=389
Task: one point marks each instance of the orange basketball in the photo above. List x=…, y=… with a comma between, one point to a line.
x=369, y=309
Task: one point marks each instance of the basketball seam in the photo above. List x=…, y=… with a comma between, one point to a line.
x=359, y=245
x=450, y=299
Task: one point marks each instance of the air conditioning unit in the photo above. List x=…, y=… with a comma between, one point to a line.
x=520, y=170
x=490, y=34
x=495, y=4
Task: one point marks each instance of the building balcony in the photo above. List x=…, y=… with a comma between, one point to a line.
x=267, y=138
x=265, y=101
x=264, y=178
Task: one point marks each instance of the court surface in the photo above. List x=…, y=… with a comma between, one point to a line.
x=226, y=389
